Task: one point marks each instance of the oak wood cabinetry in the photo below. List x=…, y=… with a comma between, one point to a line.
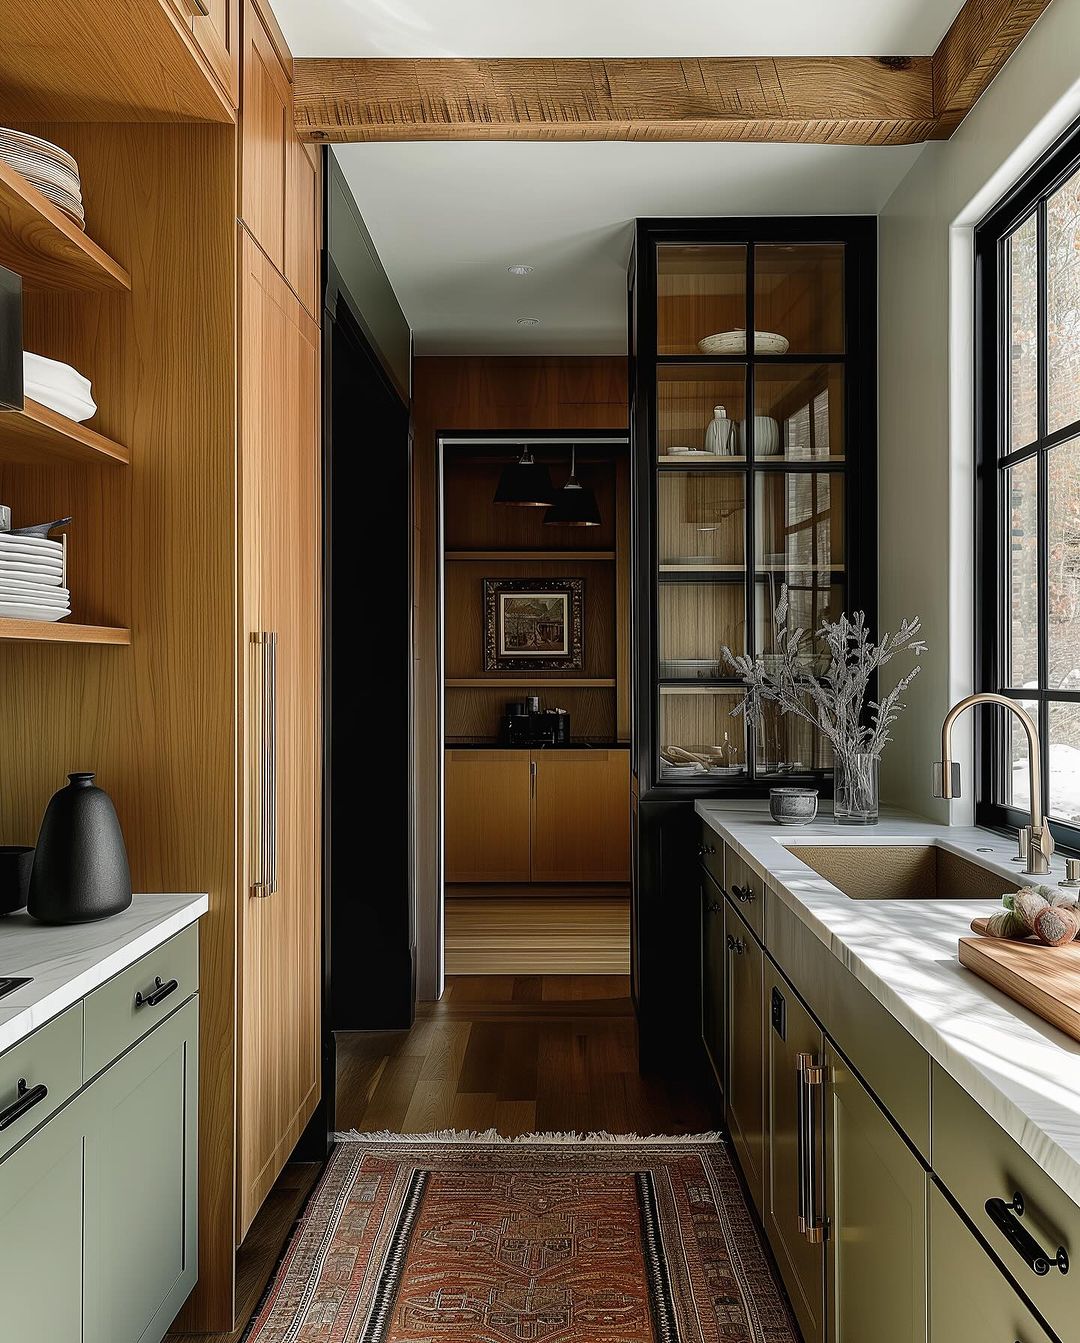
x=195, y=490
x=215, y=26
x=280, y=929
x=537, y=816
x=488, y=816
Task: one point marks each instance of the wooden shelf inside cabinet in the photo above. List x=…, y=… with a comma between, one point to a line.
x=57, y=632
x=541, y=555
x=37, y=435
x=43, y=245
x=530, y=679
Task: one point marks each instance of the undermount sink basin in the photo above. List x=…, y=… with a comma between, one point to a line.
x=902, y=872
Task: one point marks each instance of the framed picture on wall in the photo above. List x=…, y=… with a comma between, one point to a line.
x=533, y=624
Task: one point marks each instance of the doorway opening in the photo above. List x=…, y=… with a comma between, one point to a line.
x=534, y=621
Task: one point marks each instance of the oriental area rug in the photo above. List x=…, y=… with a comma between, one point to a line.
x=467, y=1238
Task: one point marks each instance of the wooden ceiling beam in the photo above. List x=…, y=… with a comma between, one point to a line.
x=844, y=100
x=982, y=38
x=851, y=100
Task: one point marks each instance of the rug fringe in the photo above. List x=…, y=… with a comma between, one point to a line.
x=493, y=1137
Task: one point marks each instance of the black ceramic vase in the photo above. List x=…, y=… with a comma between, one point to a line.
x=80, y=866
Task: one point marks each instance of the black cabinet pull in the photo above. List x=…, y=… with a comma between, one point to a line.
x=715, y=907
x=1005, y=1217
x=735, y=944
x=744, y=894
x=26, y=1100
x=705, y=849
x=157, y=994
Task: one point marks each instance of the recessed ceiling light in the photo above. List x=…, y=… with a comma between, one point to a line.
x=528, y=321
x=520, y=270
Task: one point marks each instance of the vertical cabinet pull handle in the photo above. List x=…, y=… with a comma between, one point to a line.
x=532, y=778
x=266, y=857
x=809, y=1076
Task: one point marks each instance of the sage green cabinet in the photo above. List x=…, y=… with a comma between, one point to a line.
x=794, y=1172
x=41, y=1233
x=877, y=1219
x=713, y=979
x=746, y=1051
x=141, y=1185
x=971, y=1300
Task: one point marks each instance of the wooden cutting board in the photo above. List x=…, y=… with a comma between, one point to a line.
x=1046, y=980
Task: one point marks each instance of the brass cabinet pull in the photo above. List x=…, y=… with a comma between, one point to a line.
x=266, y=866
x=808, y=1077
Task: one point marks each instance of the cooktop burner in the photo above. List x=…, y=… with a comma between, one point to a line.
x=10, y=985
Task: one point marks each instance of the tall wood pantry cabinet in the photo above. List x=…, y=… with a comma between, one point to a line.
x=189, y=675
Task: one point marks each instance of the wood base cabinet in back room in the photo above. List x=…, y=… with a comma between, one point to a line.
x=537, y=816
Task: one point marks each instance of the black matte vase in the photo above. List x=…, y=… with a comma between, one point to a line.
x=80, y=868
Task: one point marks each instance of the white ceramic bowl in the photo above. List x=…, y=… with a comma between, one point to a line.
x=734, y=342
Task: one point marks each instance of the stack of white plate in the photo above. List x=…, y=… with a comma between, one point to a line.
x=48, y=167
x=32, y=578
x=58, y=386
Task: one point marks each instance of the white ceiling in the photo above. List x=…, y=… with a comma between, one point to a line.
x=614, y=27
x=448, y=218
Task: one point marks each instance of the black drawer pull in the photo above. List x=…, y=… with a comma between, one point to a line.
x=735, y=944
x=1004, y=1216
x=744, y=894
x=715, y=907
x=158, y=994
x=704, y=850
x=27, y=1099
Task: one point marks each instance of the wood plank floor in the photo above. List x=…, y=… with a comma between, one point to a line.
x=517, y=1053
x=510, y=936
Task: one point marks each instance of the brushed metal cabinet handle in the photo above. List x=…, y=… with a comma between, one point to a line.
x=272, y=761
x=265, y=876
x=811, y=1075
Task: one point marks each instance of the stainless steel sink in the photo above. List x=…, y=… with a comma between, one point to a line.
x=8, y=985
x=902, y=872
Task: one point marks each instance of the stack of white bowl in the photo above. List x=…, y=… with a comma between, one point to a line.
x=58, y=386
x=48, y=167
x=32, y=578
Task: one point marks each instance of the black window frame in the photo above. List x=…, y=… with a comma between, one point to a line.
x=1028, y=197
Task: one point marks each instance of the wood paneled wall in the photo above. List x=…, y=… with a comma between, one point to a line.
x=540, y=395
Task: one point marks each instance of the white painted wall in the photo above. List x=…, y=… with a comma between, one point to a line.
x=926, y=413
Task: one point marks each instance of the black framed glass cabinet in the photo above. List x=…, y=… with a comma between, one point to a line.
x=753, y=368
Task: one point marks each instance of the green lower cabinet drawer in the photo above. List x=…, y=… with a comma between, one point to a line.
x=141, y=1186
x=41, y=1234
x=138, y=998
x=977, y=1162
x=971, y=1300
x=38, y=1075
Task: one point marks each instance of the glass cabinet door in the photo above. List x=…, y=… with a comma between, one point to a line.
x=752, y=437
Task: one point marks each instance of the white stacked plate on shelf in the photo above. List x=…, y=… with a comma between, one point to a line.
x=58, y=386
x=32, y=578
x=48, y=168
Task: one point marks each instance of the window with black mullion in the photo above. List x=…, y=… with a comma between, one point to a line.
x=1029, y=369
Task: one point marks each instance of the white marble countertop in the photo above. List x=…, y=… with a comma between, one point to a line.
x=1022, y=1071
x=66, y=963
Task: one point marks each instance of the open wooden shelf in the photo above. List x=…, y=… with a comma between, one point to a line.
x=542, y=555
x=37, y=435
x=43, y=245
x=529, y=679
x=57, y=632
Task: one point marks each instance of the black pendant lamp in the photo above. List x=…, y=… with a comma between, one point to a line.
x=575, y=505
x=525, y=483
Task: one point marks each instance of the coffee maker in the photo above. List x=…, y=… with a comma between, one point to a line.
x=525, y=723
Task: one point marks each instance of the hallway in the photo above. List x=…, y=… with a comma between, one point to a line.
x=519, y=1054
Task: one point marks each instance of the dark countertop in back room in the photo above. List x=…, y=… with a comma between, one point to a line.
x=538, y=746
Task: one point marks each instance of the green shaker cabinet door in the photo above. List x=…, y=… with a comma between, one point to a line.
x=794, y=1160
x=713, y=977
x=141, y=1172
x=41, y=1234
x=877, y=1220
x=746, y=1053
x=971, y=1300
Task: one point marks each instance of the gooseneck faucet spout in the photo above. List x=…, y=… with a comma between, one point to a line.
x=1040, y=842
